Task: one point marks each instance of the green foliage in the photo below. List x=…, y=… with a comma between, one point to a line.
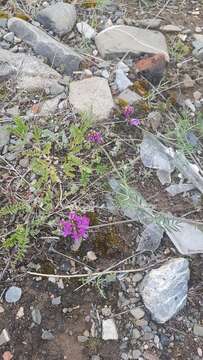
x=18, y=239
x=180, y=134
x=20, y=128
x=179, y=50
x=15, y=208
x=45, y=171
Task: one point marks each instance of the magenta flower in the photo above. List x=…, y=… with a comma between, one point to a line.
x=128, y=111
x=135, y=122
x=76, y=226
x=95, y=137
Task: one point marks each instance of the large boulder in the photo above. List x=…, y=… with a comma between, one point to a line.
x=164, y=290
x=119, y=40
x=60, y=18
x=29, y=72
x=92, y=95
x=57, y=54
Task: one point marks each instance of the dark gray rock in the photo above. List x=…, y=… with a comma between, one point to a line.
x=60, y=56
x=164, y=290
x=60, y=18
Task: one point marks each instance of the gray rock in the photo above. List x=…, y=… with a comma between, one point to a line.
x=119, y=40
x=5, y=45
x=47, y=107
x=60, y=18
x=91, y=95
x=57, y=54
x=47, y=335
x=13, y=294
x=198, y=330
x=33, y=74
x=171, y=28
x=95, y=357
x=136, y=334
x=86, y=30
x=188, y=82
x=129, y=96
x=4, y=337
x=4, y=136
x=109, y=330
x=36, y=316
x=149, y=23
x=150, y=238
x=55, y=89
x=122, y=81
x=56, y=300
x=138, y=313
x=164, y=290
x=7, y=70
x=136, y=354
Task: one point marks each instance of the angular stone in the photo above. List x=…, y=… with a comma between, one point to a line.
x=91, y=95
x=109, y=330
x=45, y=108
x=164, y=290
x=4, y=136
x=33, y=74
x=60, y=18
x=138, y=313
x=129, y=96
x=4, y=337
x=86, y=30
x=152, y=67
x=121, y=39
x=57, y=54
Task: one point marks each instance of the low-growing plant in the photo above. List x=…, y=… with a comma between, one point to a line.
x=19, y=241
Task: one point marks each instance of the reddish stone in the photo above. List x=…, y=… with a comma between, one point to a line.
x=152, y=67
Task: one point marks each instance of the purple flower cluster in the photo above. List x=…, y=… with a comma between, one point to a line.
x=95, y=137
x=128, y=111
x=76, y=226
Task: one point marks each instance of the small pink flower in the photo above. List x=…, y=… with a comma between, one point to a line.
x=135, y=122
x=128, y=111
x=95, y=137
x=76, y=226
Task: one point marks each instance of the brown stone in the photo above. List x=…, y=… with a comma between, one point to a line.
x=152, y=68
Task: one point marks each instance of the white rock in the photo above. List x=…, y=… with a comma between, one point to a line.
x=121, y=39
x=109, y=330
x=138, y=313
x=197, y=95
x=4, y=337
x=91, y=256
x=86, y=30
x=164, y=290
x=9, y=37
x=13, y=294
x=1, y=309
x=129, y=96
x=122, y=66
x=20, y=313
x=60, y=18
x=190, y=105
x=122, y=81
x=47, y=107
x=92, y=95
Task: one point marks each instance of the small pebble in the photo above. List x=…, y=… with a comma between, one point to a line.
x=47, y=335
x=13, y=294
x=199, y=351
x=20, y=313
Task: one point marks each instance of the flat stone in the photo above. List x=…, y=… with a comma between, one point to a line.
x=1, y=309
x=152, y=67
x=56, y=300
x=138, y=313
x=164, y=290
x=82, y=339
x=154, y=118
x=109, y=330
x=171, y=28
x=129, y=96
x=36, y=316
x=33, y=74
x=122, y=81
x=198, y=330
x=9, y=37
x=13, y=294
x=91, y=95
x=149, y=23
x=59, y=18
x=121, y=39
x=4, y=136
x=57, y=54
x=4, y=337
x=45, y=108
